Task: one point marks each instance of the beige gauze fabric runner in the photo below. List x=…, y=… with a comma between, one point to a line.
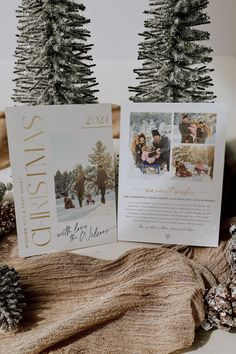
x=146, y=301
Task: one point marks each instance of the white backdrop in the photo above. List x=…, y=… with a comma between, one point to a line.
x=115, y=25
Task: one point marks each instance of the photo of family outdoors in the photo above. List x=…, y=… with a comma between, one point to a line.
x=150, y=144
x=85, y=187
x=194, y=162
x=194, y=128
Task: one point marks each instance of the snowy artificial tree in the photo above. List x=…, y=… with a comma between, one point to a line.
x=28, y=36
x=53, y=64
x=175, y=62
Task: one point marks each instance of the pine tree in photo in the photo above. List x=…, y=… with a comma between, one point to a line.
x=100, y=156
x=59, y=185
x=175, y=62
x=183, y=154
x=57, y=65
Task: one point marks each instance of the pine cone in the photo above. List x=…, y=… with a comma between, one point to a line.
x=11, y=299
x=231, y=254
x=220, y=305
x=3, y=189
x=7, y=217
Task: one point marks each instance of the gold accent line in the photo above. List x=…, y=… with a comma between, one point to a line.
x=45, y=228
x=103, y=126
x=33, y=136
x=40, y=213
x=39, y=217
x=39, y=149
x=36, y=160
x=36, y=174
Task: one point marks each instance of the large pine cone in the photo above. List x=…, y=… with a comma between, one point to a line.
x=220, y=301
x=11, y=299
x=231, y=254
x=7, y=217
x=220, y=304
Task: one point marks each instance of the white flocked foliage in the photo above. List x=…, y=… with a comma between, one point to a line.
x=174, y=59
x=53, y=64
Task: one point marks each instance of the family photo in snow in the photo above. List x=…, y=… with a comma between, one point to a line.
x=194, y=128
x=150, y=142
x=82, y=190
x=194, y=162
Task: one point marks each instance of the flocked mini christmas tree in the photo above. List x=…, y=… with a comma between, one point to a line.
x=175, y=62
x=27, y=38
x=53, y=64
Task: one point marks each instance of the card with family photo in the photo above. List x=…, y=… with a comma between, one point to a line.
x=63, y=176
x=171, y=173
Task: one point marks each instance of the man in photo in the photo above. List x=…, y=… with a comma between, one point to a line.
x=162, y=144
x=184, y=128
x=101, y=182
x=202, y=133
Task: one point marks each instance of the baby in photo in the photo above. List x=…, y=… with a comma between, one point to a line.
x=149, y=154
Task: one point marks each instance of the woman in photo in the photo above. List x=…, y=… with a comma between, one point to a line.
x=141, y=142
x=80, y=187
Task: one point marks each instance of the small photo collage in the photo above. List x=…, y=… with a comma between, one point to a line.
x=179, y=145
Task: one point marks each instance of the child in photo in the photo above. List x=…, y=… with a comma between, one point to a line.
x=149, y=154
x=181, y=170
x=200, y=168
x=68, y=203
x=90, y=199
x=193, y=133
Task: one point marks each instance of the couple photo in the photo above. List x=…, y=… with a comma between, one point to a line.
x=150, y=142
x=83, y=187
x=194, y=128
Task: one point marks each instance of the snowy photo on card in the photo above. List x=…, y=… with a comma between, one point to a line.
x=150, y=144
x=85, y=183
x=195, y=128
x=63, y=176
x=195, y=162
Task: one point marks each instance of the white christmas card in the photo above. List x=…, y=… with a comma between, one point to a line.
x=171, y=173
x=63, y=176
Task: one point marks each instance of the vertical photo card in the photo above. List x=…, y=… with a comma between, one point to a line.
x=63, y=176
x=171, y=173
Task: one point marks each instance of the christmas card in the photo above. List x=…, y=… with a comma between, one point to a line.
x=63, y=176
x=171, y=173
